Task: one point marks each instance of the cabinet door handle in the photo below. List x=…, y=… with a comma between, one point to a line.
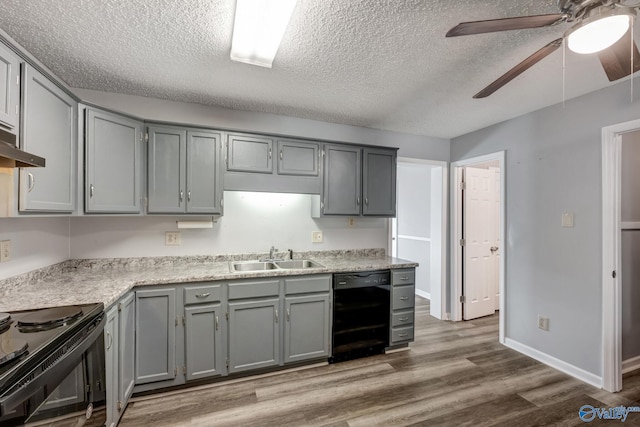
x=204, y=295
x=403, y=335
x=404, y=298
x=189, y=196
x=403, y=319
x=217, y=323
x=288, y=315
x=280, y=154
x=366, y=201
x=270, y=153
x=91, y=190
x=109, y=340
x=358, y=201
x=181, y=196
x=276, y=315
x=32, y=182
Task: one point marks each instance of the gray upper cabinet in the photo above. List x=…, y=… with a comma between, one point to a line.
x=112, y=143
x=379, y=182
x=49, y=129
x=246, y=153
x=9, y=89
x=184, y=171
x=297, y=158
x=342, y=174
x=155, y=350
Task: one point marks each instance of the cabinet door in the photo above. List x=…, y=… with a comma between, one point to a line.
x=155, y=352
x=9, y=86
x=49, y=130
x=341, y=187
x=254, y=335
x=379, y=182
x=297, y=158
x=204, y=173
x=306, y=328
x=126, y=349
x=112, y=160
x=249, y=154
x=167, y=169
x=203, y=341
x=111, y=365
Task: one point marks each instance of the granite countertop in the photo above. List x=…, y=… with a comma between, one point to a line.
x=106, y=280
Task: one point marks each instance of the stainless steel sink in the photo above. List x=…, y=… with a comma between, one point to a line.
x=252, y=266
x=299, y=263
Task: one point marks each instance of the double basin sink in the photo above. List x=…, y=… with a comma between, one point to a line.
x=244, y=266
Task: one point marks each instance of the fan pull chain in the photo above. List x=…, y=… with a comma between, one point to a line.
x=632, y=64
x=564, y=69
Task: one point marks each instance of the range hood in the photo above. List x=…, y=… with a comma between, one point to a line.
x=11, y=156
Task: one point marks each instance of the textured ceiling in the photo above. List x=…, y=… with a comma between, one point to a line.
x=383, y=64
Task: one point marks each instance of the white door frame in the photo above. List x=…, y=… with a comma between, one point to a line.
x=611, y=254
x=438, y=293
x=456, y=235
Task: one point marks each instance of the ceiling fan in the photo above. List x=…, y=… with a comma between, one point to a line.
x=602, y=26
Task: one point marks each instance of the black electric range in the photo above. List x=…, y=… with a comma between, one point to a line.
x=39, y=348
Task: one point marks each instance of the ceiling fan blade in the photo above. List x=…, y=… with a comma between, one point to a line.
x=616, y=60
x=519, y=69
x=505, y=24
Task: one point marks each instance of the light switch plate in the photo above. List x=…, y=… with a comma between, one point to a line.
x=172, y=238
x=316, y=237
x=5, y=250
x=567, y=220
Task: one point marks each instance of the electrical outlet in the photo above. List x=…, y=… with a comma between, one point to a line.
x=543, y=323
x=5, y=250
x=567, y=220
x=351, y=222
x=316, y=237
x=172, y=238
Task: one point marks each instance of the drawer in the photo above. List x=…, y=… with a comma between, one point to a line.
x=194, y=294
x=402, y=318
x=402, y=297
x=254, y=289
x=403, y=277
x=402, y=334
x=305, y=285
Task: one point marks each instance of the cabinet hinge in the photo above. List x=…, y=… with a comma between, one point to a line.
x=18, y=79
x=463, y=185
x=119, y=405
x=614, y=274
x=119, y=307
x=462, y=299
x=227, y=315
x=146, y=137
x=184, y=322
x=184, y=370
x=227, y=364
x=177, y=320
x=175, y=371
x=463, y=242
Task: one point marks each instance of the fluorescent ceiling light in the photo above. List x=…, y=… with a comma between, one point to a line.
x=600, y=30
x=258, y=29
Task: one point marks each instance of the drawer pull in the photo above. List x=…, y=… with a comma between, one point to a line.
x=403, y=319
x=403, y=335
x=404, y=278
x=206, y=294
x=404, y=298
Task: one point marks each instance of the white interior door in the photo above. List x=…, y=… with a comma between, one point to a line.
x=495, y=236
x=478, y=225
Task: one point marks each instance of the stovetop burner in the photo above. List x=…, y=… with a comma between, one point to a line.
x=49, y=318
x=11, y=348
x=5, y=322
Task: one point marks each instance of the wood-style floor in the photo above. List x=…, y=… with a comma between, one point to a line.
x=455, y=374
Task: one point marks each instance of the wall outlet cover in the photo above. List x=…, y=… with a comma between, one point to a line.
x=567, y=220
x=543, y=323
x=316, y=237
x=5, y=250
x=172, y=238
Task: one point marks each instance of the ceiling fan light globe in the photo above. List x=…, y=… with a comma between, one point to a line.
x=599, y=34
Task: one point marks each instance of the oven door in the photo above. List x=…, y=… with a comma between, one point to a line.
x=70, y=389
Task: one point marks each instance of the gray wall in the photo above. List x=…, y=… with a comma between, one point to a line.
x=553, y=165
x=630, y=192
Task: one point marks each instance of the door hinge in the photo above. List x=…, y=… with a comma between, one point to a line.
x=614, y=274
x=463, y=242
x=462, y=299
x=463, y=185
x=119, y=405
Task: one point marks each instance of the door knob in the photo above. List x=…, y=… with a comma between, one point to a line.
x=494, y=249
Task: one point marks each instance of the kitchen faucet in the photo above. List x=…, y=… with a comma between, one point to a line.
x=271, y=251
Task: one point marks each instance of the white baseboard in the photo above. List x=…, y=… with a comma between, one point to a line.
x=555, y=363
x=630, y=364
x=423, y=294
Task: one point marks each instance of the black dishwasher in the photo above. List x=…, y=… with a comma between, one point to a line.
x=360, y=314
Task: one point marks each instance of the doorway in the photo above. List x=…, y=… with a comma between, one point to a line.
x=418, y=232
x=477, y=235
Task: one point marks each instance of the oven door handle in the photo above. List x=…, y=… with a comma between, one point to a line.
x=53, y=375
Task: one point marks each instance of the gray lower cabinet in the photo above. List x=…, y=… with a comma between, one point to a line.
x=49, y=130
x=204, y=324
x=402, y=306
x=306, y=330
x=112, y=143
x=156, y=322
x=9, y=89
x=120, y=356
x=254, y=334
x=379, y=182
x=184, y=171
